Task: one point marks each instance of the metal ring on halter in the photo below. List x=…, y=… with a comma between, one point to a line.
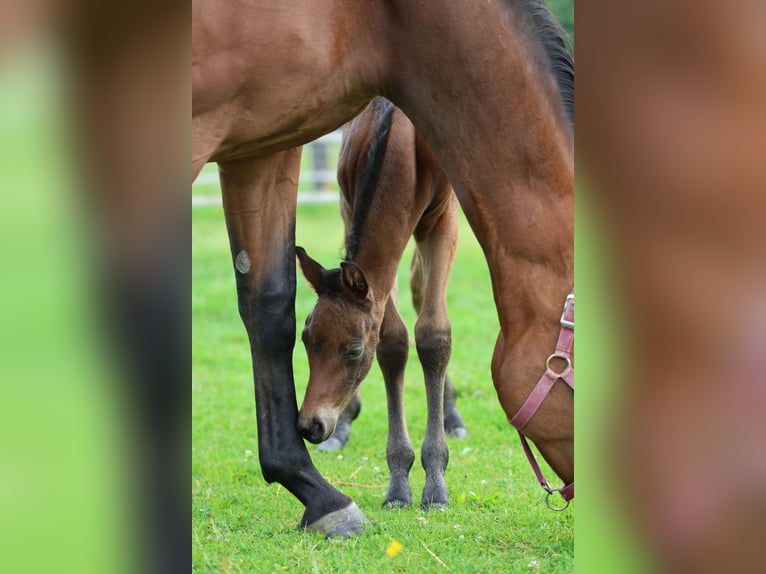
x=550, y=504
x=558, y=356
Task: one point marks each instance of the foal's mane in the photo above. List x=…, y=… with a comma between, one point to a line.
x=367, y=177
x=555, y=43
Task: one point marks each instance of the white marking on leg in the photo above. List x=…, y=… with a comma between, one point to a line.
x=242, y=262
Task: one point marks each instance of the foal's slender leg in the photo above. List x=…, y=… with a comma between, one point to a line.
x=453, y=422
x=340, y=435
x=434, y=343
x=259, y=198
x=392, y=354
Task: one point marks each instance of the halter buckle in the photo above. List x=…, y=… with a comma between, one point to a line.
x=568, y=312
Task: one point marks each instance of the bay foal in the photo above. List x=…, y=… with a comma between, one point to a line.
x=392, y=188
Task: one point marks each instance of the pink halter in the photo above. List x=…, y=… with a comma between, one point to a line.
x=541, y=390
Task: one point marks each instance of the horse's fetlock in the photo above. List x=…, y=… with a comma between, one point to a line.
x=401, y=457
x=435, y=455
x=273, y=470
x=279, y=466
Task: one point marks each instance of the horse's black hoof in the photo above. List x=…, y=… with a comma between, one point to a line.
x=340, y=523
x=457, y=432
x=331, y=444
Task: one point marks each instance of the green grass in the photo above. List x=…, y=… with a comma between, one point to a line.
x=497, y=521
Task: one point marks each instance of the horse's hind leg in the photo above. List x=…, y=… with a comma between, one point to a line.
x=392, y=358
x=259, y=198
x=434, y=343
x=340, y=435
x=453, y=422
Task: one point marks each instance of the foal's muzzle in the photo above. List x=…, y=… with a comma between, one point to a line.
x=315, y=429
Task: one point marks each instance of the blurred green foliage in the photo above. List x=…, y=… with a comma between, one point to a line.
x=62, y=446
x=564, y=11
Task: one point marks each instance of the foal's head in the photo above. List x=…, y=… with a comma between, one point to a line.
x=340, y=336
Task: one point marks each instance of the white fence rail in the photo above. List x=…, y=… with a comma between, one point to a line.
x=318, y=184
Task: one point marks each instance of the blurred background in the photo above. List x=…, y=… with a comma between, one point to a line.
x=63, y=433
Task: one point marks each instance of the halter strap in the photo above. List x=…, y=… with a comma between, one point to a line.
x=542, y=388
x=566, y=492
x=545, y=384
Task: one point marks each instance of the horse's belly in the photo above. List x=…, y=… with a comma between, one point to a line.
x=268, y=80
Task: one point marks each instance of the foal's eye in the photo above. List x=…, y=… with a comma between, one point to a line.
x=353, y=353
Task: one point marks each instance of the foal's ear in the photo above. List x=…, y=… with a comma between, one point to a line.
x=312, y=270
x=354, y=280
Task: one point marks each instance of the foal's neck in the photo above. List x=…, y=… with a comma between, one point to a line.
x=379, y=250
x=382, y=199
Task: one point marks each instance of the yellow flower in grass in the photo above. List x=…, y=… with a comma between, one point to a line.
x=394, y=548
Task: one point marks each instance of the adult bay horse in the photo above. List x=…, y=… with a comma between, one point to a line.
x=489, y=85
x=392, y=188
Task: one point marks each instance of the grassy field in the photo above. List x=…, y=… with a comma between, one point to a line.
x=497, y=521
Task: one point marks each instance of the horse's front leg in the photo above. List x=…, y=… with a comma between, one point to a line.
x=259, y=198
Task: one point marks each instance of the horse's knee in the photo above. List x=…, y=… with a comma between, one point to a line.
x=393, y=348
x=268, y=314
x=434, y=346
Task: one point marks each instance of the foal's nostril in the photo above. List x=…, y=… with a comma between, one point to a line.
x=314, y=431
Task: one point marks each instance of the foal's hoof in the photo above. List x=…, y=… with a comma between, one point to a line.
x=399, y=494
x=343, y=522
x=393, y=504
x=331, y=444
x=457, y=432
x=426, y=505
